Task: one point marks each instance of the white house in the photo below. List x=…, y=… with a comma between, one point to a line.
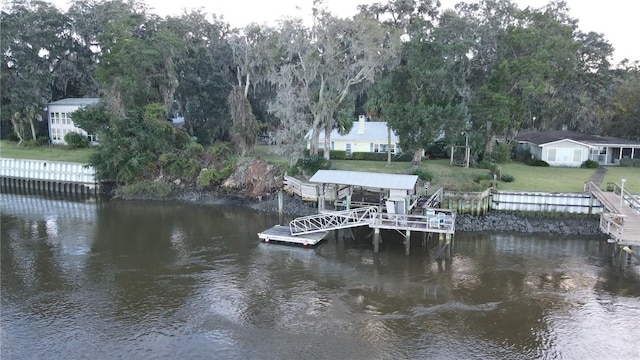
x=365, y=136
x=568, y=148
x=60, y=123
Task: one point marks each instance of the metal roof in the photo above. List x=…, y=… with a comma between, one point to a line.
x=76, y=101
x=371, y=131
x=548, y=137
x=366, y=179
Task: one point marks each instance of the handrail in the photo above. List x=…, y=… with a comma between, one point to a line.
x=332, y=220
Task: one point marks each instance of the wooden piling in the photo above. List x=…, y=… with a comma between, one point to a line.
x=407, y=242
x=376, y=240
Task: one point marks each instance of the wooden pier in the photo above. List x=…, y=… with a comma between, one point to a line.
x=397, y=208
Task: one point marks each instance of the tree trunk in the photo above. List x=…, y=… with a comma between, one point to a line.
x=33, y=129
x=313, y=142
x=488, y=144
x=388, y=145
x=327, y=143
x=417, y=158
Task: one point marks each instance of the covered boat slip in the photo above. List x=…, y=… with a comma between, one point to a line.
x=397, y=208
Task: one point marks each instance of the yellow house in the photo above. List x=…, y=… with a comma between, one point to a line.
x=365, y=136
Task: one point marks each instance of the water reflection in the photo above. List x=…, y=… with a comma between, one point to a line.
x=170, y=280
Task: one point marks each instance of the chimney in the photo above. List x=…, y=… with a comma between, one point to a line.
x=361, y=120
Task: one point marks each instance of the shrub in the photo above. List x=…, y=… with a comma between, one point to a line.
x=502, y=153
x=193, y=148
x=492, y=167
x=590, y=164
x=522, y=154
x=630, y=162
x=403, y=157
x=437, y=150
x=314, y=163
x=76, y=141
x=507, y=178
x=177, y=166
x=485, y=177
x=537, y=162
x=423, y=174
x=223, y=149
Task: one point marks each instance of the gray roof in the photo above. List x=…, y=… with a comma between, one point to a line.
x=373, y=131
x=366, y=179
x=547, y=137
x=76, y=101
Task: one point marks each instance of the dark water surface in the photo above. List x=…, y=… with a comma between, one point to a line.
x=137, y=280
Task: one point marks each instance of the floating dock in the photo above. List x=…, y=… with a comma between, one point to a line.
x=283, y=234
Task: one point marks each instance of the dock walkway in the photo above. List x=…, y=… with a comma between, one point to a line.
x=620, y=220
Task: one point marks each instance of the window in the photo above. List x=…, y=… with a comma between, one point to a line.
x=551, y=154
x=348, y=149
x=577, y=155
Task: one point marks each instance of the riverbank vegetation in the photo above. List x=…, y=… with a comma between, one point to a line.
x=184, y=98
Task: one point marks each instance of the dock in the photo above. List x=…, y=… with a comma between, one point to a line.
x=283, y=234
x=392, y=204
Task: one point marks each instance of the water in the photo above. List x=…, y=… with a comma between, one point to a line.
x=138, y=280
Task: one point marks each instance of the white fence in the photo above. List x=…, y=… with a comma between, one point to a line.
x=577, y=203
x=43, y=170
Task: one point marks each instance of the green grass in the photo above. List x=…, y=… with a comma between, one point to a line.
x=631, y=175
x=552, y=179
x=10, y=149
x=527, y=178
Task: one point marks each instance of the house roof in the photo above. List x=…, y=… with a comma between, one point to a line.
x=365, y=179
x=546, y=137
x=374, y=131
x=76, y=101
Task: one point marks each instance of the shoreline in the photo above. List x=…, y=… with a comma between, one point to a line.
x=549, y=223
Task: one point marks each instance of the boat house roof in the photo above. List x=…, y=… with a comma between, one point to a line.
x=365, y=179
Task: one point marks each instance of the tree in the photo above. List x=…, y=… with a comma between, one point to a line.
x=129, y=148
x=34, y=39
x=320, y=66
x=626, y=105
x=421, y=99
x=203, y=76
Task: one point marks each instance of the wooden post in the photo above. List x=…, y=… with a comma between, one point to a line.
x=280, y=208
x=448, y=242
x=376, y=240
x=424, y=239
x=407, y=242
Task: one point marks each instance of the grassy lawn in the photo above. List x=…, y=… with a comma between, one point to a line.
x=527, y=178
x=553, y=179
x=631, y=175
x=9, y=149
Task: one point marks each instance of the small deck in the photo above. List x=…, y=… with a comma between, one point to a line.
x=283, y=234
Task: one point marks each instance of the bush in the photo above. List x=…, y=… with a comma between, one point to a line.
x=423, y=174
x=502, y=153
x=507, y=178
x=590, y=164
x=193, y=148
x=480, y=178
x=537, y=162
x=492, y=167
x=522, y=154
x=630, y=162
x=402, y=157
x=177, y=166
x=314, y=163
x=437, y=150
x=76, y=141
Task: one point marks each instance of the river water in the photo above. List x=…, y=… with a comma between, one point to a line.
x=136, y=280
